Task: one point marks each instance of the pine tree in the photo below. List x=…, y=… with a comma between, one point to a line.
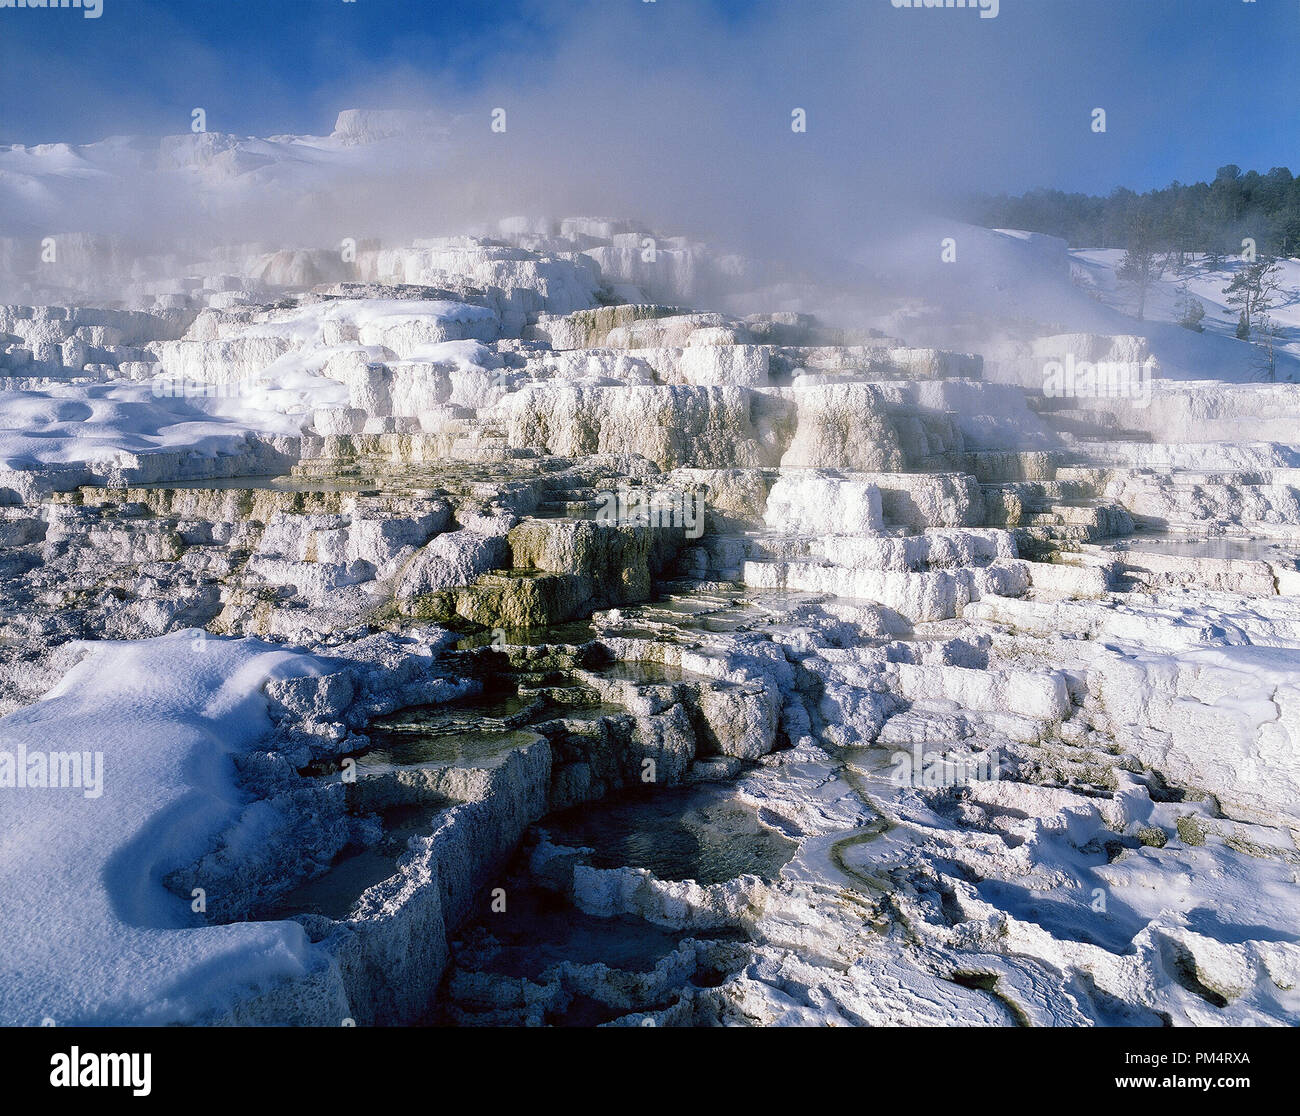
x=1140, y=267
x=1251, y=291
x=1190, y=310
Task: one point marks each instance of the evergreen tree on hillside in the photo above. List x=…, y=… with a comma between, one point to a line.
x=1141, y=266
x=1191, y=310
x=1252, y=290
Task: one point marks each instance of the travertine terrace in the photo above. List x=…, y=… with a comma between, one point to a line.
x=423, y=584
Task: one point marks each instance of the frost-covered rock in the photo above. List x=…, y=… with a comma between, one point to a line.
x=671, y=426
x=842, y=426
x=818, y=503
x=1225, y=719
x=452, y=559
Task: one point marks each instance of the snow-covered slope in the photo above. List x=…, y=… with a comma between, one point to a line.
x=1005, y=287
x=1184, y=351
x=82, y=873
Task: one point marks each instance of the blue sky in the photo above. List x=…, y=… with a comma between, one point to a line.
x=941, y=98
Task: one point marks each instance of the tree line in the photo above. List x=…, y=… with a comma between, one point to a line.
x=1210, y=217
